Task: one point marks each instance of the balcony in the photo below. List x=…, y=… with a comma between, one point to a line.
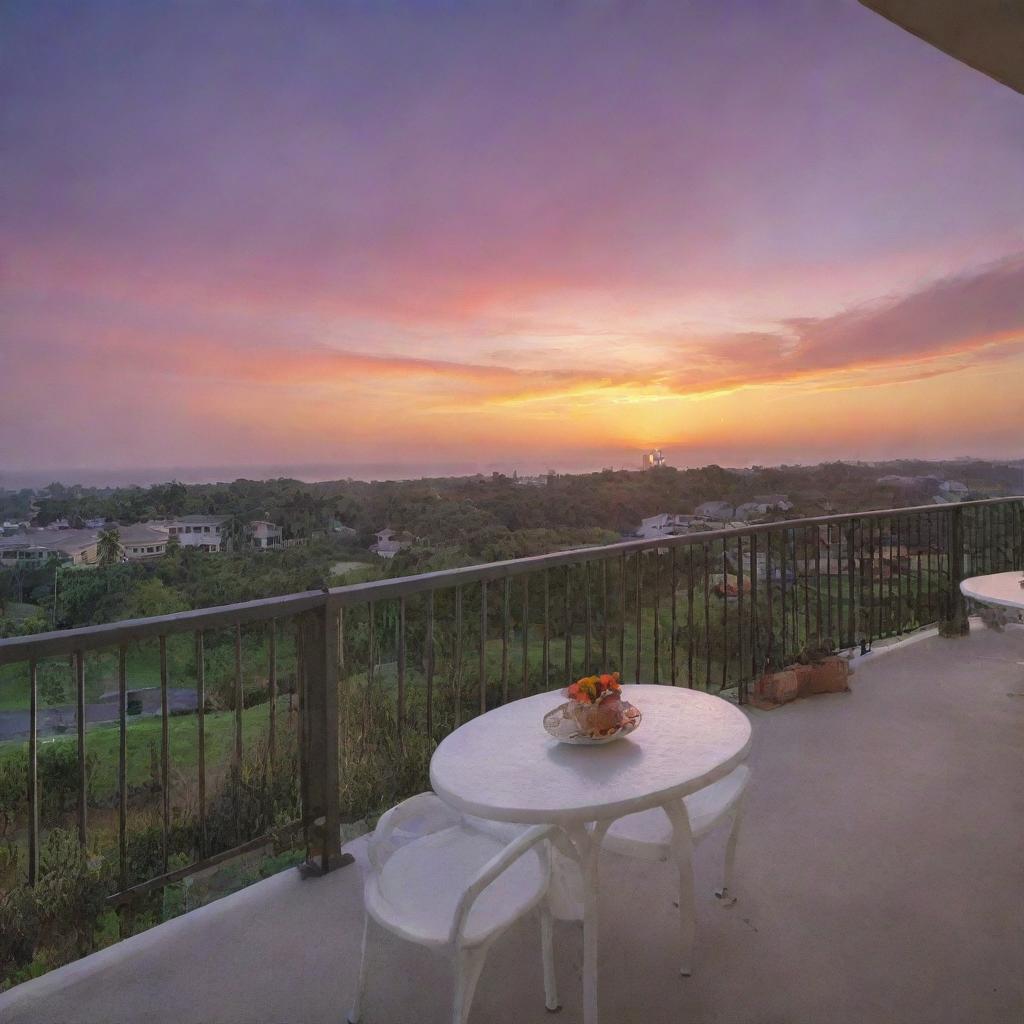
x=879, y=864
x=880, y=868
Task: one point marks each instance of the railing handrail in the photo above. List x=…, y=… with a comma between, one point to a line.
x=67, y=641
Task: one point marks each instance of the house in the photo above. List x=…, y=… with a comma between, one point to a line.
x=750, y=511
x=198, y=531
x=36, y=546
x=952, y=490
x=715, y=510
x=142, y=541
x=389, y=543
x=265, y=534
x=775, y=502
x=665, y=524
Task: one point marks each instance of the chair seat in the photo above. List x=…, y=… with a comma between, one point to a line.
x=417, y=893
x=648, y=834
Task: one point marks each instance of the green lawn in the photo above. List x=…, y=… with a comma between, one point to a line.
x=143, y=743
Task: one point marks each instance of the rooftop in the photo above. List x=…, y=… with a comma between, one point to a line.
x=878, y=873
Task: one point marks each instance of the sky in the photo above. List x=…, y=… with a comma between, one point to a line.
x=416, y=238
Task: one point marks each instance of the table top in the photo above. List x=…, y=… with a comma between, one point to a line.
x=505, y=767
x=1002, y=588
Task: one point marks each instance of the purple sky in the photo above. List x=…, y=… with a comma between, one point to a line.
x=516, y=234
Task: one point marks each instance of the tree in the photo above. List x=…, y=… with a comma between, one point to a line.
x=108, y=547
x=153, y=597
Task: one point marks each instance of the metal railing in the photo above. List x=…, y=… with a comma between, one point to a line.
x=359, y=683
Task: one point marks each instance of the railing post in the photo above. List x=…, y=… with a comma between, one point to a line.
x=955, y=622
x=319, y=753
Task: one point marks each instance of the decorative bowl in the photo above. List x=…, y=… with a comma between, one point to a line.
x=563, y=723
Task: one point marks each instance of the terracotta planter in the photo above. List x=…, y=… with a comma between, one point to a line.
x=830, y=675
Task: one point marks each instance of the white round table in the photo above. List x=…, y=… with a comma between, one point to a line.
x=504, y=766
x=1001, y=588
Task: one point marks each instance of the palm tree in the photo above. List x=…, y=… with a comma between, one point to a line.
x=108, y=547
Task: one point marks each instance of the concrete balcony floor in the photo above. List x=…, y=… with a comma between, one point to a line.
x=880, y=878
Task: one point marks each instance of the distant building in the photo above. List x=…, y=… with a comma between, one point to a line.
x=652, y=459
x=36, y=546
x=953, y=487
x=142, y=541
x=775, y=502
x=751, y=510
x=197, y=531
x=389, y=543
x=265, y=534
x=665, y=524
x=720, y=510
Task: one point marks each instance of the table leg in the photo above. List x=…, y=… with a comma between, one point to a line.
x=682, y=852
x=587, y=844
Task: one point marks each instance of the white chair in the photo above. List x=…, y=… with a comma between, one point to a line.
x=444, y=880
x=649, y=835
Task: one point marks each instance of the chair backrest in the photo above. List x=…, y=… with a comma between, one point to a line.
x=418, y=816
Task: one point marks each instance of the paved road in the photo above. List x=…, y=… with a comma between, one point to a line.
x=15, y=724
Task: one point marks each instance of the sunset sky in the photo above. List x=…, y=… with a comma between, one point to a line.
x=439, y=237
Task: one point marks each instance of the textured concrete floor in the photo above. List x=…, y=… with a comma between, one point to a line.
x=881, y=876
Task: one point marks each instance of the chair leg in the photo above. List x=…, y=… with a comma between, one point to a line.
x=682, y=851
x=357, y=1004
x=468, y=965
x=547, y=946
x=724, y=893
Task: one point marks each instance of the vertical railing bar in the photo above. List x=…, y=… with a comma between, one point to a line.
x=526, y=635
x=817, y=585
x=931, y=568
x=239, y=694
x=33, y=772
x=707, y=618
x=604, y=614
x=239, y=707
x=482, y=668
x=673, y=646
x=506, y=615
x=165, y=756
x=828, y=595
x=689, y=616
x=588, y=625
x=919, y=617
x=201, y=739
x=83, y=782
x=429, y=667
x=851, y=568
x=639, y=612
x=899, y=568
x=567, y=624
x=272, y=692
x=742, y=684
x=754, y=623
x=546, y=636
x=656, y=676
x=622, y=615
x=400, y=696
x=805, y=576
x=457, y=673
x=725, y=615
x=301, y=730
x=861, y=597
x=122, y=767
x=783, y=595
x=770, y=656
